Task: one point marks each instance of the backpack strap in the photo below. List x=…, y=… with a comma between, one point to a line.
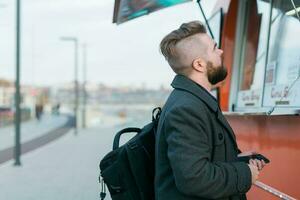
x=125, y=130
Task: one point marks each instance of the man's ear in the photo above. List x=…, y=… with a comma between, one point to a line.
x=199, y=65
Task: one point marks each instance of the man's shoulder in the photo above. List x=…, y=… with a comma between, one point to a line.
x=179, y=99
x=181, y=103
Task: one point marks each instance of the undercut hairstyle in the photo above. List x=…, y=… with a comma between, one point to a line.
x=176, y=45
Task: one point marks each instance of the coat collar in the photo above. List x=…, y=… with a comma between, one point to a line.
x=184, y=83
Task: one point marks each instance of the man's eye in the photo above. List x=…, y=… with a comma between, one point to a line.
x=215, y=46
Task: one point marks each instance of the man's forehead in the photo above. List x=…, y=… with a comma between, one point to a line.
x=208, y=39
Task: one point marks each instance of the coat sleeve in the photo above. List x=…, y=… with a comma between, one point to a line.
x=189, y=152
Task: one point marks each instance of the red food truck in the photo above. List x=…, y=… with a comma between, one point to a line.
x=261, y=95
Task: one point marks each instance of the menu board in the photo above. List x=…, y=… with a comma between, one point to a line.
x=249, y=98
x=282, y=95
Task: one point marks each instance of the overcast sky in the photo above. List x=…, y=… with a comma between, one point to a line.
x=126, y=54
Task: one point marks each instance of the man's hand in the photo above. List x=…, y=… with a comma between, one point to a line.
x=258, y=163
x=254, y=172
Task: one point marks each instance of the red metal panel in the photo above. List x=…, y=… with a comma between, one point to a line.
x=277, y=137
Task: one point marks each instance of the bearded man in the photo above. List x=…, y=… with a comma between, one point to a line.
x=196, y=154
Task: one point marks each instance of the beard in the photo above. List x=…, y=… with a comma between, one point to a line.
x=216, y=74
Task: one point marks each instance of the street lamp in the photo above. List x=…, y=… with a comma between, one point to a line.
x=84, y=68
x=75, y=41
x=17, y=150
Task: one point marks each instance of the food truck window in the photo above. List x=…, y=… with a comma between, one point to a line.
x=253, y=55
x=215, y=23
x=282, y=85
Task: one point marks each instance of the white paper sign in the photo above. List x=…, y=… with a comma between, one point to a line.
x=281, y=95
x=249, y=98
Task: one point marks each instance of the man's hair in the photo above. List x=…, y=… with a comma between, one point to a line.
x=169, y=42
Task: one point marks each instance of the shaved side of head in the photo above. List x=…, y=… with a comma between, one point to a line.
x=182, y=46
x=189, y=49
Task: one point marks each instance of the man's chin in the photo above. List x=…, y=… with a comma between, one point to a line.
x=219, y=78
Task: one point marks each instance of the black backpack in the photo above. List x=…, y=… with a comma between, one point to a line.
x=128, y=171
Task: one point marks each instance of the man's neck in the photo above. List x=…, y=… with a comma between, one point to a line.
x=204, y=83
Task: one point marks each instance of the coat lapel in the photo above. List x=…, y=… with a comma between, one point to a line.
x=225, y=124
x=182, y=82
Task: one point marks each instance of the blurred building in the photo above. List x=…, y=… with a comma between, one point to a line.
x=6, y=93
x=30, y=97
x=102, y=94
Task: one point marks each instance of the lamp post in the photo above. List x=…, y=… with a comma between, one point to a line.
x=84, y=68
x=76, y=90
x=17, y=150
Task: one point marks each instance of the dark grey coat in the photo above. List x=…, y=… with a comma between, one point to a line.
x=196, y=149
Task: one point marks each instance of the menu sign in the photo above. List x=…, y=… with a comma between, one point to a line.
x=282, y=95
x=249, y=98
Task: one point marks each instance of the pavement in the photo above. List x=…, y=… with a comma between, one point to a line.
x=34, y=134
x=67, y=168
x=31, y=129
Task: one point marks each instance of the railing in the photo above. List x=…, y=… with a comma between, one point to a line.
x=273, y=191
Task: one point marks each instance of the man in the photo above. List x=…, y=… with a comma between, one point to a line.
x=196, y=150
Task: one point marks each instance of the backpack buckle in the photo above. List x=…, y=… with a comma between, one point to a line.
x=103, y=188
x=156, y=113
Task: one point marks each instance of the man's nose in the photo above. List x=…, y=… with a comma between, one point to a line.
x=221, y=51
x=221, y=54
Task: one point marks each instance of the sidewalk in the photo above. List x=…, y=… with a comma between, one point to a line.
x=65, y=169
x=31, y=129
